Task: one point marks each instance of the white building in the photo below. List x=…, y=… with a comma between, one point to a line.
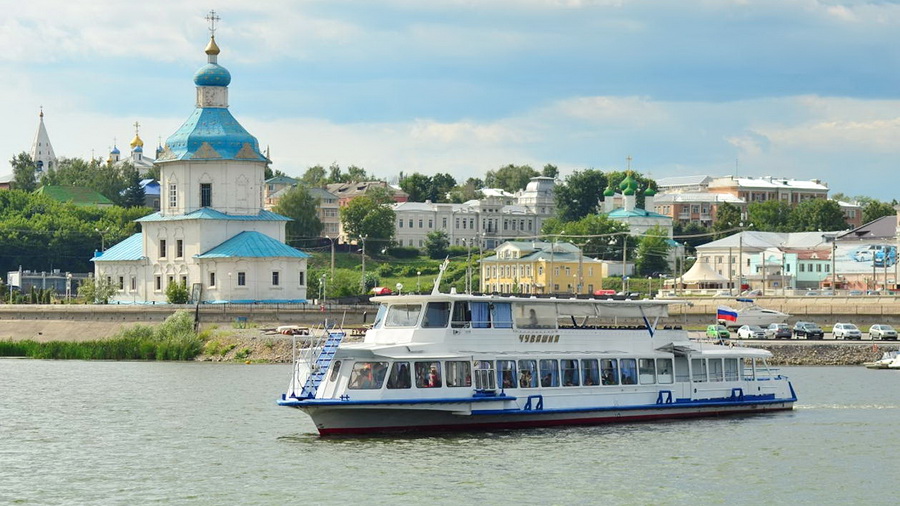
x=488, y=222
x=211, y=232
x=42, y=153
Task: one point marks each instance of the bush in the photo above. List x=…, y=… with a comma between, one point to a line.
x=177, y=293
x=403, y=252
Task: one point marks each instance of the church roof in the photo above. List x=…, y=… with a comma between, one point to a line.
x=250, y=244
x=211, y=133
x=78, y=195
x=207, y=213
x=129, y=249
x=636, y=213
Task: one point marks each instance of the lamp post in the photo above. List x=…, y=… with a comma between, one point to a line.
x=322, y=290
x=624, y=260
x=332, y=255
x=102, y=237
x=418, y=274
x=362, y=281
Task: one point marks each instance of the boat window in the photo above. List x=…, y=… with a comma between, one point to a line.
x=399, y=377
x=461, y=315
x=698, y=370
x=367, y=375
x=506, y=373
x=647, y=370
x=481, y=317
x=459, y=373
x=484, y=375
x=403, y=315
x=549, y=373
x=379, y=317
x=629, y=371
x=609, y=368
x=715, y=369
x=335, y=368
x=528, y=375
x=682, y=371
x=502, y=315
x=428, y=374
x=664, y=370
x=591, y=372
x=437, y=314
x=747, y=367
x=535, y=316
x=569, y=372
x=731, y=369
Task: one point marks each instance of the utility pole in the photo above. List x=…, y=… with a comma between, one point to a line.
x=332, y=255
x=362, y=282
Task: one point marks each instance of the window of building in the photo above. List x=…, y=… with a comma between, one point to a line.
x=133, y=283
x=444, y=222
x=420, y=223
x=242, y=279
x=802, y=267
x=212, y=279
x=173, y=195
x=205, y=195
x=184, y=281
x=400, y=223
x=121, y=282
x=179, y=248
x=302, y=278
x=162, y=248
x=276, y=278
x=430, y=223
x=158, y=283
x=410, y=223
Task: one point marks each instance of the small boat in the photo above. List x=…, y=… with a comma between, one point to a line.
x=451, y=361
x=749, y=314
x=889, y=360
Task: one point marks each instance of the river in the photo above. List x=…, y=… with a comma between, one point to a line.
x=76, y=432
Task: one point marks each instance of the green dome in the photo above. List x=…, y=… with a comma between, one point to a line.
x=649, y=192
x=628, y=185
x=609, y=192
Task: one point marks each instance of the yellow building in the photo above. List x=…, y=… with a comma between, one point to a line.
x=536, y=267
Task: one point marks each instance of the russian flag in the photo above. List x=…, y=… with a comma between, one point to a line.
x=726, y=313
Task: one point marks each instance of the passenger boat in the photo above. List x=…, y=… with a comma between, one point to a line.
x=749, y=313
x=451, y=361
x=888, y=360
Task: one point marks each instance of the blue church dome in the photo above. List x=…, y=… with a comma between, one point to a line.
x=212, y=74
x=138, y=149
x=115, y=151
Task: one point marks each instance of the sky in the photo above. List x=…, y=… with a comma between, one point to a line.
x=804, y=89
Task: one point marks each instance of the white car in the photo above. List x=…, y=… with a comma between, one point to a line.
x=751, y=332
x=846, y=331
x=881, y=331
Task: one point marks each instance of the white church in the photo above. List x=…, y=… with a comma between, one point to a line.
x=211, y=232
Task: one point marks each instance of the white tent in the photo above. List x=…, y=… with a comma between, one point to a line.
x=701, y=275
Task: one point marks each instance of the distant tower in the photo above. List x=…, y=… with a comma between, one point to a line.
x=42, y=151
x=137, y=144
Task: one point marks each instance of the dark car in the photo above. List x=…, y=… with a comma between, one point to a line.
x=808, y=330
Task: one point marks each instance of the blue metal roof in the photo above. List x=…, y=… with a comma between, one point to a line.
x=636, y=212
x=129, y=249
x=211, y=133
x=253, y=245
x=207, y=213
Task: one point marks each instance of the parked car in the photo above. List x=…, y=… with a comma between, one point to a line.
x=812, y=293
x=779, y=331
x=882, y=331
x=717, y=332
x=808, y=330
x=855, y=293
x=846, y=331
x=751, y=332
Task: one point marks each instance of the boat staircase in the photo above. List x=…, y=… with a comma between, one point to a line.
x=319, y=358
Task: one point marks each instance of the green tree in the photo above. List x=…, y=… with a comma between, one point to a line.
x=370, y=217
x=596, y=234
x=301, y=207
x=877, y=209
x=470, y=190
x=436, y=244
x=770, y=216
x=133, y=195
x=23, y=172
x=314, y=177
x=177, y=293
x=579, y=194
x=652, y=253
x=818, y=214
x=417, y=186
x=511, y=178
x=96, y=291
x=550, y=171
x=692, y=234
x=728, y=218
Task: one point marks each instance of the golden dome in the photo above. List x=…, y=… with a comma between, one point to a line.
x=137, y=141
x=212, y=49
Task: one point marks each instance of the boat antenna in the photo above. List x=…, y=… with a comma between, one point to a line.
x=437, y=282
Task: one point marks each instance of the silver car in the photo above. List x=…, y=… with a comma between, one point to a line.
x=846, y=331
x=882, y=331
x=751, y=332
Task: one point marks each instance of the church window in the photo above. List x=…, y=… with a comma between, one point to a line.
x=242, y=279
x=212, y=279
x=171, y=280
x=158, y=283
x=179, y=248
x=275, y=278
x=133, y=283
x=302, y=278
x=184, y=280
x=162, y=248
x=121, y=282
x=173, y=195
x=205, y=195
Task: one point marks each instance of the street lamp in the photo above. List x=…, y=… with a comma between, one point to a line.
x=332, y=255
x=102, y=237
x=418, y=274
x=322, y=280
x=362, y=282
